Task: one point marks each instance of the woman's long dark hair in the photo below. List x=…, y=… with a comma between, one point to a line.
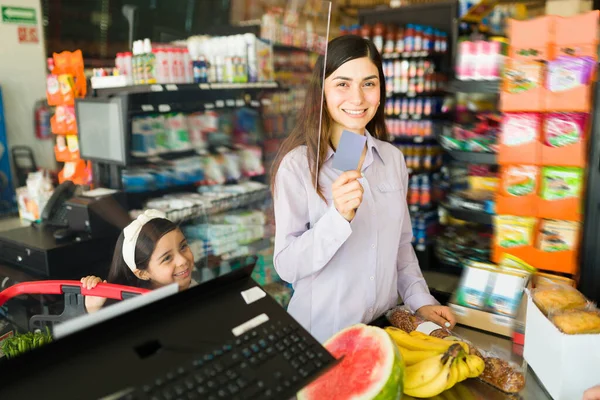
x=306, y=131
x=150, y=234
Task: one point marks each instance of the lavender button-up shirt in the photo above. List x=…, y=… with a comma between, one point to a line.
x=345, y=272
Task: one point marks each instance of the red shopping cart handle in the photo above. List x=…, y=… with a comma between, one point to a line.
x=106, y=290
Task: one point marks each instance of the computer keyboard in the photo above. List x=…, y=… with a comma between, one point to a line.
x=269, y=362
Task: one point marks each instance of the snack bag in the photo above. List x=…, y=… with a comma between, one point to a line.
x=521, y=76
x=513, y=231
x=560, y=183
x=520, y=128
x=67, y=89
x=563, y=129
x=566, y=72
x=558, y=235
x=519, y=180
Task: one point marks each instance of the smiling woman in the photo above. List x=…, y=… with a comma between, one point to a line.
x=151, y=252
x=343, y=238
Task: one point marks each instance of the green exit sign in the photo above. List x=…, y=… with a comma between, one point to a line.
x=19, y=15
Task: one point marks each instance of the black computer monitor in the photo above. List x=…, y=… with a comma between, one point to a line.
x=102, y=129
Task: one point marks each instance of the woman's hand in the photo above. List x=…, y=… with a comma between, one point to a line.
x=92, y=303
x=347, y=194
x=592, y=393
x=441, y=315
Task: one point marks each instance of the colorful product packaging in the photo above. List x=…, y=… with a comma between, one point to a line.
x=566, y=72
x=560, y=183
x=474, y=286
x=521, y=76
x=558, y=235
x=511, y=231
x=519, y=180
x=507, y=291
x=520, y=128
x=563, y=129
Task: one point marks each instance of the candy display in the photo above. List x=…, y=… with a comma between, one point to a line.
x=479, y=60
x=480, y=136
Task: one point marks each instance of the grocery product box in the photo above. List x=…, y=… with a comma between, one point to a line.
x=567, y=365
x=568, y=8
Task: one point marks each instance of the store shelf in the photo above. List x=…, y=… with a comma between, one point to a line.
x=437, y=93
x=474, y=157
x=474, y=86
x=414, y=139
x=463, y=214
x=184, y=87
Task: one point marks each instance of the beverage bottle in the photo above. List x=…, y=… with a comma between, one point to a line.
x=409, y=38
x=149, y=63
x=365, y=31
x=127, y=65
x=400, y=41
x=390, y=39
x=378, y=34
x=187, y=67
x=413, y=190
x=119, y=63
x=425, y=195
x=162, y=72
x=418, y=40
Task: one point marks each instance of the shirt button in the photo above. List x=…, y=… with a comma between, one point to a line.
x=373, y=245
x=372, y=278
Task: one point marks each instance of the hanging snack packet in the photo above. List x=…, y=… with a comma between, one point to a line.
x=560, y=183
x=519, y=180
x=521, y=76
x=520, y=128
x=558, y=235
x=511, y=231
x=566, y=72
x=563, y=129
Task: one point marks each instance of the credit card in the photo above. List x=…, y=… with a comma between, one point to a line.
x=349, y=150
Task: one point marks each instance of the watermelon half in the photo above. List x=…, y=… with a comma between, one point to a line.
x=372, y=367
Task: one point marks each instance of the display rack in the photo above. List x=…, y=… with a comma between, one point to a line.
x=463, y=214
x=458, y=86
x=473, y=157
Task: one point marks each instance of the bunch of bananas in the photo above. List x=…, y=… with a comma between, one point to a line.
x=434, y=365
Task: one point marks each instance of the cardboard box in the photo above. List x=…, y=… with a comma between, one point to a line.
x=567, y=365
x=567, y=8
x=483, y=320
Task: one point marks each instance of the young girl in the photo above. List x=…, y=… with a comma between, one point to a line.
x=343, y=239
x=151, y=252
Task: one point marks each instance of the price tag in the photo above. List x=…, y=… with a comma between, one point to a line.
x=219, y=104
x=164, y=108
x=502, y=320
x=156, y=88
x=418, y=139
x=172, y=87
x=204, y=86
x=147, y=107
x=266, y=102
x=416, y=117
x=240, y=103
x=403, y=116
x=254, y=103
x=209, y=106
x=230, y=103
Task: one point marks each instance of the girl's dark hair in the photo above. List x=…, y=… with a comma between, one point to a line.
x=150, y=234
x=306, y=131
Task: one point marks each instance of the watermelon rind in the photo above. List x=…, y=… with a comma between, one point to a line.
x=392, y=388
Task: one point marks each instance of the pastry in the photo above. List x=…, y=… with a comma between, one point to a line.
x=558, y=298
x=580, y=321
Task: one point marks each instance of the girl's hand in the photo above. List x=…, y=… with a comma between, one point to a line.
x=347, y=194
x=592, y=393
x=92, y=303
x=441, y=315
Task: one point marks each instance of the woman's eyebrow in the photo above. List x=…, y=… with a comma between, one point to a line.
x=183, y=241
x=343, y=78
x=371, y=77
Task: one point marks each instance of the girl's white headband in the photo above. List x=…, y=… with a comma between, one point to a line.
x=132, y=232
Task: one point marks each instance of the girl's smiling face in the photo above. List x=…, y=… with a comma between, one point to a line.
x=171, y=261
x=352, y=94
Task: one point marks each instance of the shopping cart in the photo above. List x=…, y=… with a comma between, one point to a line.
x=74, y=297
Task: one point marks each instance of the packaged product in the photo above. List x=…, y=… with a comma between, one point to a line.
x=520, y=128
x=519, y=180
x=574, y=322
x=550, y=299
x=566, y=72
x=475, y=284
x=509, y=261
x=66, y=84
x=402, y=318
x=558, y=235
x=563, y=129
x=502, y=375
x=541, y=279
x=514, y=231
x=560, y=183
x=507, y=291
x=521, y=76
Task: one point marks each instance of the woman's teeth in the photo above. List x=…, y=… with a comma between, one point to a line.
x=355, y=112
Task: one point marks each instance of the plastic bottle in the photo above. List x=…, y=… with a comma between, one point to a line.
x=409, y=38
x=355, y=29
x=365, y=31
x=400, y=41
x=162, y=73
x=390, y=39
x=149, y=63
x=119, y=63
x=418, y=40
x=428, y=40
x=135, y=63
x=200, y=70
x=172, y=62
x=378, y=34
x=127, y=65
x=444, y=43
x=187, y=67
x=425, y=198
x=413, y=188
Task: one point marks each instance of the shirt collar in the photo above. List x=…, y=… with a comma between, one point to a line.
x=371, y=144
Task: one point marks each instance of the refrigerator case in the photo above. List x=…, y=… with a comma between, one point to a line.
x=590, y=254
x=8, y=204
